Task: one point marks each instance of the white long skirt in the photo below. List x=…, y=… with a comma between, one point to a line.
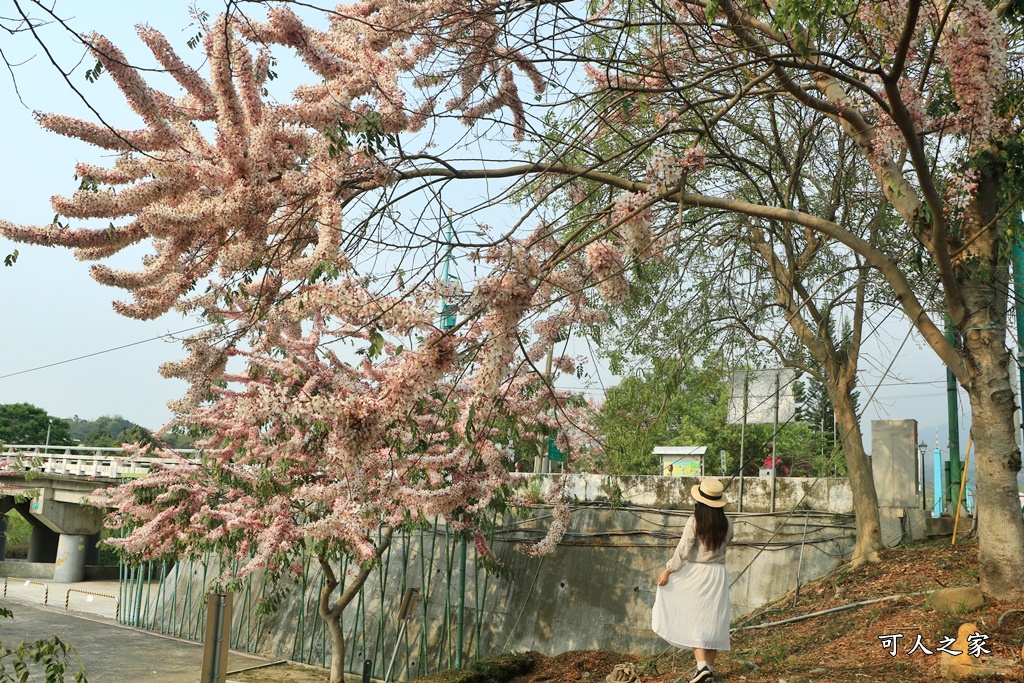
x=692, y=610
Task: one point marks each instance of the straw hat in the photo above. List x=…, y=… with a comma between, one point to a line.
x=710, y=491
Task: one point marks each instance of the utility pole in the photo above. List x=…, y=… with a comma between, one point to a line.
x=1018, y=308
x=447, y=312
x=447, y=323
x=775, y=433
x=953, y=415
x=543, y=460
x=743, y=439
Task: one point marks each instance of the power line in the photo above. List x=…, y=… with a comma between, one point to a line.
x=98, y=353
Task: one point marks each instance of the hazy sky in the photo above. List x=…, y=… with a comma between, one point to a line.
x=53, y=311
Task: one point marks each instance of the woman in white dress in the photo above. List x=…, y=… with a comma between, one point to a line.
x=691, y=608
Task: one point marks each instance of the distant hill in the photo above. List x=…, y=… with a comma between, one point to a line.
x=114, y=430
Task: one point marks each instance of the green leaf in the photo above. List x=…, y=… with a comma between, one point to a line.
x=94, y=73
x=469, y=422
x=711, y=10
x=376, y=344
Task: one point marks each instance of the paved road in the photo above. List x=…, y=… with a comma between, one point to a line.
x=112, y=653
x=96, y=598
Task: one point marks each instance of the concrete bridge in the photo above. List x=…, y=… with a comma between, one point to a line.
x=53, y=488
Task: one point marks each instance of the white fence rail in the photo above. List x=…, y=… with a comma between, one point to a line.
x=82, y=461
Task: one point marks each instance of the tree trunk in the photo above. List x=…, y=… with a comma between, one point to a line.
x=998, y=460
x=839, y=367
x=862, y=484
x=337, y=650
x=331, y=614
x=983, y=277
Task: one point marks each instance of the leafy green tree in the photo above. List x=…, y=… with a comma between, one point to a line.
x=815, y=409
x=112, y=431
x=666, y=405
x=131, y=435
x=90, y=432
x=24, y=423
x=672, y=404
x=178, y=438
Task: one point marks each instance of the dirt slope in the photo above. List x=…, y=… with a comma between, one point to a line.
x=843, y=646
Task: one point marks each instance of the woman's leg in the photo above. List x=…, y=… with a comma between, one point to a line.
x=700, y=654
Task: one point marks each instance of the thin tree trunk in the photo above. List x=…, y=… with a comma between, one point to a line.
x=337, y=646
x=839, y=368
x=331, y=614
x=862, y=484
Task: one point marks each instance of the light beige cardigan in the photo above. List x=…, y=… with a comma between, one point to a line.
x=690, y=549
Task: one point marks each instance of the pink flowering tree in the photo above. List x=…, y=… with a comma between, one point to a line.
x=307, y=450
x=757, y=291
x=929, y=96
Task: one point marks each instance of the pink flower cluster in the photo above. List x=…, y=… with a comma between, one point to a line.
x=305, y=447
x=960, y=51
x=202, y=203
x=973, y=49
x=668, y=120
x=960, y=192
x=632, y=216
x=779, y=467
x=606, y=262
x=668, y=170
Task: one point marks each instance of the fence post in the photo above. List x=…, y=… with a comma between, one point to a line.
x=3, y=537
x=404, y=612
x=215, y=643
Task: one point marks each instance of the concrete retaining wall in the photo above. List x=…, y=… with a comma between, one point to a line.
x=595, y=591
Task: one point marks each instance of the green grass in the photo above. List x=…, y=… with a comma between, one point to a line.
x=775, y=651
x=18, y=533
x=108, y=558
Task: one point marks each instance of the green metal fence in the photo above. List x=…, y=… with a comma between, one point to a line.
x=169, y=599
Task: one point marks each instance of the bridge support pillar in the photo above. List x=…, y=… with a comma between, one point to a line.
x=42, y=545
x=4, y=519
x=69, y=566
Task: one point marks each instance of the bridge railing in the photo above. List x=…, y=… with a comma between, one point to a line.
x=82, y=461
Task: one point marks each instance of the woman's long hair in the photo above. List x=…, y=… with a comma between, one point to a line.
x=711, y=525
